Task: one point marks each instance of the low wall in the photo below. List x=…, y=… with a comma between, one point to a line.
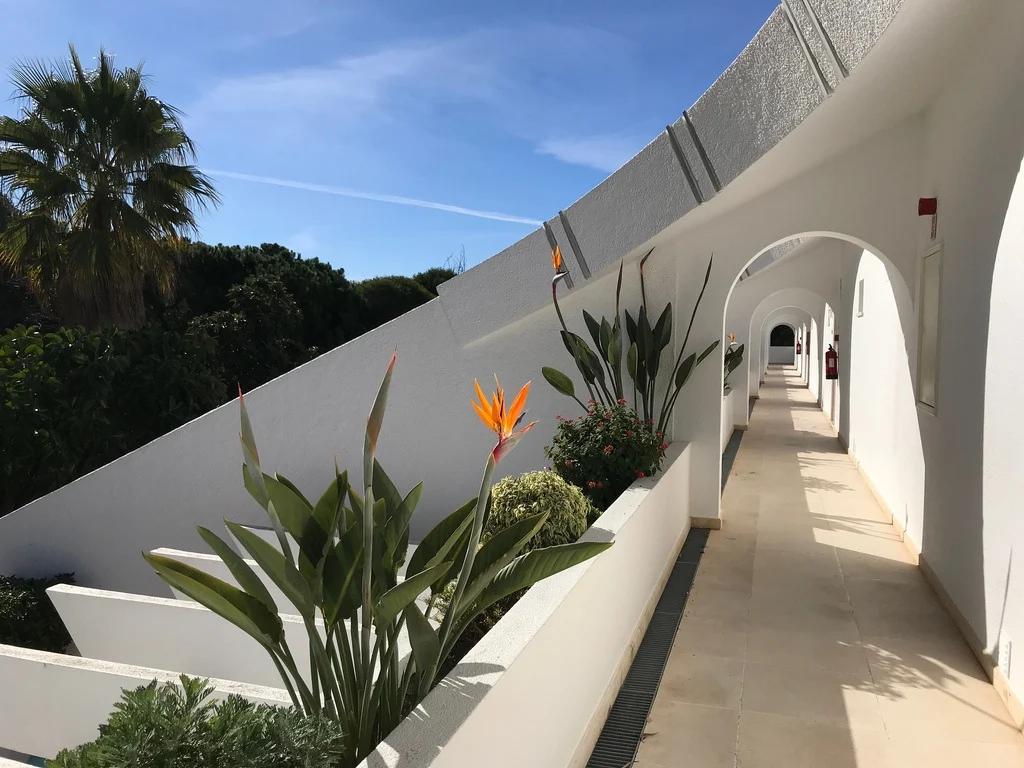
x=50, y=701
x=728, y=421
x=165, y=633
x=536, y=690
x=781, y=355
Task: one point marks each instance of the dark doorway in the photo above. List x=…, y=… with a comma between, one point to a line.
x=782, y=336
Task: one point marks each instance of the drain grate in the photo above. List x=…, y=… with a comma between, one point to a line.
x=620, y=738
x=616, y=746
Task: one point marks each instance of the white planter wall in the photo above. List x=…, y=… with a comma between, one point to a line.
x=536, y=689
x=727, y=411
x=51, y=701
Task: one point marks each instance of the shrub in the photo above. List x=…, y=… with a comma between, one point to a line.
x=28, y=618
x=605, y=451
x=71, y=401
x=164, y=726
x=516, y=498
x=389, y=297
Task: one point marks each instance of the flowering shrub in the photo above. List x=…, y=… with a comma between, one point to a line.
x=605, y=451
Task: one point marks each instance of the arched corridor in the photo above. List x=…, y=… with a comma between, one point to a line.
x=810, y=637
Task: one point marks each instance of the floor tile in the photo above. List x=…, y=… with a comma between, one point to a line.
x=682, y=735
x=771, y=741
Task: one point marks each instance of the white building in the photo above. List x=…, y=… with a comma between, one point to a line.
x=801, y=169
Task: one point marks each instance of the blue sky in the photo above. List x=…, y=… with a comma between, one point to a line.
x=321, y=117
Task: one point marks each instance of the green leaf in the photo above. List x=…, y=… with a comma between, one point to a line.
x=244, y=575
x=663, y=328
x=631, y=361
x=280, y=569
x=614, y=349
x=559, y=381
x=594, y=327
x=711, y=348
x=342, y=571
x=398, y=598
x=497, y=552
x=685, y=369
x=230, y=603
x=630, y=327
x=291, y=507
x=606, y=337
x=526, y=570
x=442, y=538
x=426, y=647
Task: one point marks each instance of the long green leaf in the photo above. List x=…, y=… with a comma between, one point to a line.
x=342, y=574
x=594, y=327
x=243, y=610
x=630, y=327
x=559, y=381
x=426, y=647
x=685, y=369
x=243, y=573
x=398, y=598
x=277, y=566
x=710, y=348
x=442, y=538
x=526, y=570
x=631, y=361
x=497, y=552
x=292, y=508
x=663, y=328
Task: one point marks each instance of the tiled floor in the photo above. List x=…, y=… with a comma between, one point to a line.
x=809, y=638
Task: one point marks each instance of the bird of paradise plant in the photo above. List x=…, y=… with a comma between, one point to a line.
x=733, y=358
x=337, y=562
x=601, y=371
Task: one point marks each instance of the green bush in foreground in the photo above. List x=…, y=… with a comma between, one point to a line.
x=28, y=618
x=167, y=726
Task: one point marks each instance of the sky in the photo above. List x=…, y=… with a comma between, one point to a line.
x=386, y=136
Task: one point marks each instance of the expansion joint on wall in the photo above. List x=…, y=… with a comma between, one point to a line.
x=826, y=89
x=833, y=55
x=699, y=146
x=576, y=250
x=553, y=242
x=677, y=150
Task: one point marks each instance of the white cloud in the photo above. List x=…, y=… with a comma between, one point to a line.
x=380, y=198
x=605, y=153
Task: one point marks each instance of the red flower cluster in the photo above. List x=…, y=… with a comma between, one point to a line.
x=640, y=473
x=608, y=449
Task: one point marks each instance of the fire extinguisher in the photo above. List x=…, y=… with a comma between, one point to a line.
x=799, y=347
x=831, y=363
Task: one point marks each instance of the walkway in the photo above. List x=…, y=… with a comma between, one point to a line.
x=810, y=639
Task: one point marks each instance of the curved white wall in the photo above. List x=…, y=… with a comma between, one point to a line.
x=1004, y=450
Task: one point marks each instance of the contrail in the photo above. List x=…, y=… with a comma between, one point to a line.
x=361, y=195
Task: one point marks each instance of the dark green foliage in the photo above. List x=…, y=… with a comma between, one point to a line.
x=164, y=726
x=388, y=297
x=71, y=401
x=604, y=452
x=434, y=277
x=28, y=618
x=257, y=338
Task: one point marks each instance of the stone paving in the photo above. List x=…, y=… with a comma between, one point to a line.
x=810, y=638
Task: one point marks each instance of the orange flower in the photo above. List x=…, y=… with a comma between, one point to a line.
x=732, y=337
x=556, y=259
x=500, y=420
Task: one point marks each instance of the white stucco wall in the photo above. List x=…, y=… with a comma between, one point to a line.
x=727, y=410
x=1004, y=452
x=781, y=355
x=566, y=644
x=51, y=701
x=165, y=633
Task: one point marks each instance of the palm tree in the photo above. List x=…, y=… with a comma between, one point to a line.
x=102, y=175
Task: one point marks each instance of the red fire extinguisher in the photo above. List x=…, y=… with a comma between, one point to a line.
x=799, y=347
x=831, y=363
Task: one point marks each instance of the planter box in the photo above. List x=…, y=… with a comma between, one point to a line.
x=536, y=689
x=727, y=420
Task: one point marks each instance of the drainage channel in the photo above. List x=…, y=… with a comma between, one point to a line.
x=623, y=730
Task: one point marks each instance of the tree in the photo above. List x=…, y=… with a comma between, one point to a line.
x=102, y=174
x=388, y=297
